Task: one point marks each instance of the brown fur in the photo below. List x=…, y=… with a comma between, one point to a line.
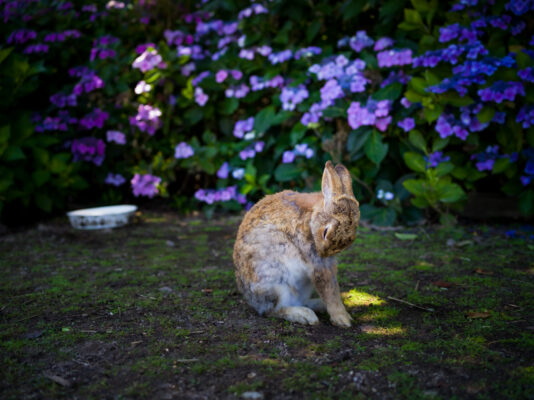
x=291, y=230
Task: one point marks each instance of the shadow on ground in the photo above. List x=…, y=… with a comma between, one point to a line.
x=151, y=311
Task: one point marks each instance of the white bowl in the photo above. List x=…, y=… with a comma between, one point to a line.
x=102, y=217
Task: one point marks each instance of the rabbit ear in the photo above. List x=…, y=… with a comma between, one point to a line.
x=346, y=180
x=331, y=184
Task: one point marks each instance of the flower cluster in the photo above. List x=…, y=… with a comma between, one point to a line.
x=89, y=80
x=243, y=127
x=95, y=119
x=299, y=150
x=292, y=96
x=528, y=176
x=145, y=185
x=383, y=195
x=147, y=119
x=148, y=60
x=502, y=90
x=250, y=151
x=435, y=158
x=183, y=150
x=101, y=48
x=390, y=58
x=210, y=196
x=61, y=100
x=116, y=136
x=115, y=179
x=374, y=113
x=88, y=149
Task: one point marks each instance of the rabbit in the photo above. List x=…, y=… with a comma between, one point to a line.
x=285, y=248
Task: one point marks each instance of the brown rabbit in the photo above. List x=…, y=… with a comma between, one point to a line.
x=285, y=246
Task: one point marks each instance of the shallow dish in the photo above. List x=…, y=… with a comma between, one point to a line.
x=102, y=217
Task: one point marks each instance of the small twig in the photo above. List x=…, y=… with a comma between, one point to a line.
x=186, y=360
x=58, y=379
x=416, y=286
x=26, y=318
x=410, y=304
x=381, y=228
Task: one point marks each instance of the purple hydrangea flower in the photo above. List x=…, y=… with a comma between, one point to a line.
x=61, y=100
x=145, y=185
x=360, y=41
x=89, y=149
x=220, y=76
x=243, y=126
x=238, y=92
x=148, y=60
x=147, y=119
x=116, y=136
x=115, y=179
x=288, y=157
x=36, y=48
x=291, y=97
x=201, y=98
x=142, y=87
x=277, y=58
x=407, y=124
x=95, y=119
x=383, y=43
x=405, y=102
x=435, y=158
x=390, y=58
x=223, y=171
x=331, y=91
x=238, y=173
x=183, y=150
x=21, y=36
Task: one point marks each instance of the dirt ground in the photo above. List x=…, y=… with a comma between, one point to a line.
x=151, y=311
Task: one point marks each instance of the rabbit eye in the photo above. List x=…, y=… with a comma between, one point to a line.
x=324, y=233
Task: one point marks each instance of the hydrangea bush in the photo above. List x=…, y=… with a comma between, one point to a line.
x=216, y=103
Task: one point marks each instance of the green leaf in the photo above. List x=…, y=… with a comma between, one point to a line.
x=313, y=30
x=421, y=5
x=286, y=172
x=40, y=177
x=375, y=149
x=440, y=144
x=417, y=187
x=390, y=92
x=4, y=53
x=194, y=115
x=486, y=114
x=250, y=172
x=418, y=85
x=228, y=106
x=412, y=17
x=449, y=192
x=444, y=168
x=415, y=161
x=432, y=114
x=188, y=91
x=413, y=97
x=5, y=132
x=431, y=78
x=264, y=119
x=454, y=99
x=500, y=165
x=357, y=139
x=406, y=26
x=385, y=217
x=523, y=60
x=420, y=202
x=43, y=202
x=526, y=202
x=405, y=236
x=417, y=139
x=13, y=153
x=297, y=133
x=368, y=211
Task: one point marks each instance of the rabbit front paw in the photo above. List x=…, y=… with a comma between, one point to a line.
x=341, y=318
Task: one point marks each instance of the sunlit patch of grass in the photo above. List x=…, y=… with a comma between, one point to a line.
x=423, y=266
x=357, y=298
x=383, y=331
x=378, y=314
